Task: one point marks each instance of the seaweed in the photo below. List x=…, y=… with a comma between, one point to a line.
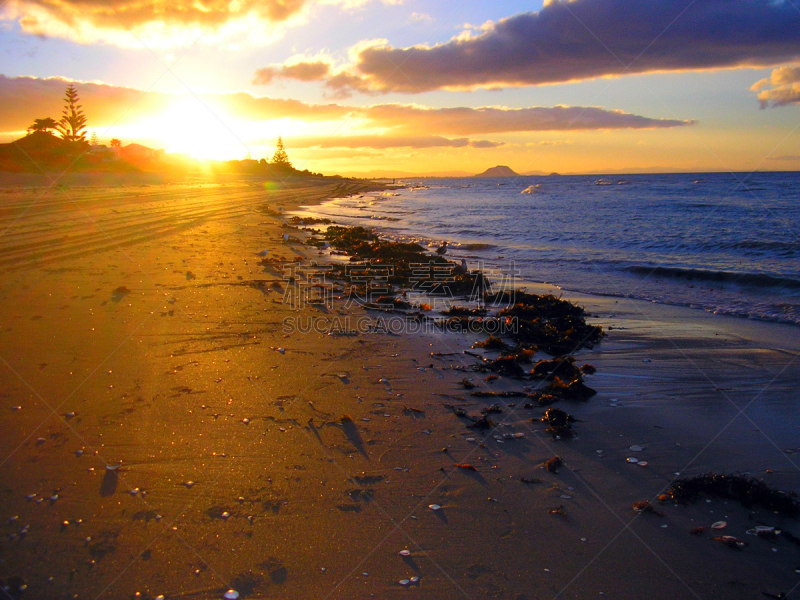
x=558, y=421
x=482, y=423
x=556, y=326
x=553, y=464
x=564, y=366
x=748, y=491
x=644, y=506
x=490, y=343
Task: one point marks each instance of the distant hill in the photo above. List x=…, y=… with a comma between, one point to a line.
x=498, y=171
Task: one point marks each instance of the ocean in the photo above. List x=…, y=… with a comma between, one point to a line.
x=724, y=243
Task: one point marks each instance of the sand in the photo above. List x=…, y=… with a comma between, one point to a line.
x=237, y=470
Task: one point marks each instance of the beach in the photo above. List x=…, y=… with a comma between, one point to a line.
x=166, y=434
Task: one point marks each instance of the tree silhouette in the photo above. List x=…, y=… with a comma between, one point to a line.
x=72, y=124
x=93, y=140
x=115, y=143
x=280, y=159
x=42, y=125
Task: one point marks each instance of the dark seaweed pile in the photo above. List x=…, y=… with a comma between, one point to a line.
x=404, y=260
x=747, y=490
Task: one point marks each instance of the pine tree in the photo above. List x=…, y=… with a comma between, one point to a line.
x=280, y=159
x=93, y=140
x=72, y=125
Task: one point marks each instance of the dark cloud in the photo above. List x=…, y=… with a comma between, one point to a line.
x=779, y=89
x=585, y=39
x=471, y=121
x=302, y=71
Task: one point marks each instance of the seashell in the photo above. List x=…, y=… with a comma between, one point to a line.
x=113, y=467
x=78, y=452
x=763, y=528
x=12, y=519
x=404, y=553
x=414, y=579
x=633, y=460
x=434, y=507
x=31, y=496
x=719, y=525
x=470, y=439
x=404, y=581
x=53, y=498
x=383, y=380
x=225, y=515
x=189, y=484
x=16, y=408
x=282, y=350
x=642, y=463
x=636, y=448
x=231, y=595
x=70, y=415
x=246, y=421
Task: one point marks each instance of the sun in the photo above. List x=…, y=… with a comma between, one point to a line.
x=189, y=126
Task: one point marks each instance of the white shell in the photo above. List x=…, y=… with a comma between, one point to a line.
x=719, y=525
x=404, y=553
x=633, y=460
x=414, y=579
x=636, y=448
x=112, y=467
x=434, y=506
x=404, y=581
x=231, y=595
x=642, y=463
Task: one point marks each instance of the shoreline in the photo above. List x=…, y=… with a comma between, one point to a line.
x=213, y=410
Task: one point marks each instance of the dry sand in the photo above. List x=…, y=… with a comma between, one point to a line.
x=238, y=471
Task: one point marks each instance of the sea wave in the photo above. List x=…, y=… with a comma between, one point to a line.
x=750, y=279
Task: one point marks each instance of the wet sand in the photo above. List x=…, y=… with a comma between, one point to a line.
x=237, y=469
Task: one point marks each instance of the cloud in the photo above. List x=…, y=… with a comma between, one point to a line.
x=781, y=88
x=26, y=98
x=163, y=23
x=586, y=39
x=302, y=71
x=381, y=142
x=471, y=121
x=400, y=125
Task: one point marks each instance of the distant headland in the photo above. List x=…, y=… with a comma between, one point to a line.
x=498, y=171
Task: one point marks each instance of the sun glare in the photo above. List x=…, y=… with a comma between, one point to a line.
x=189, y=127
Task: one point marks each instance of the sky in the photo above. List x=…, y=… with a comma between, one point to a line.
x=371, y=87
